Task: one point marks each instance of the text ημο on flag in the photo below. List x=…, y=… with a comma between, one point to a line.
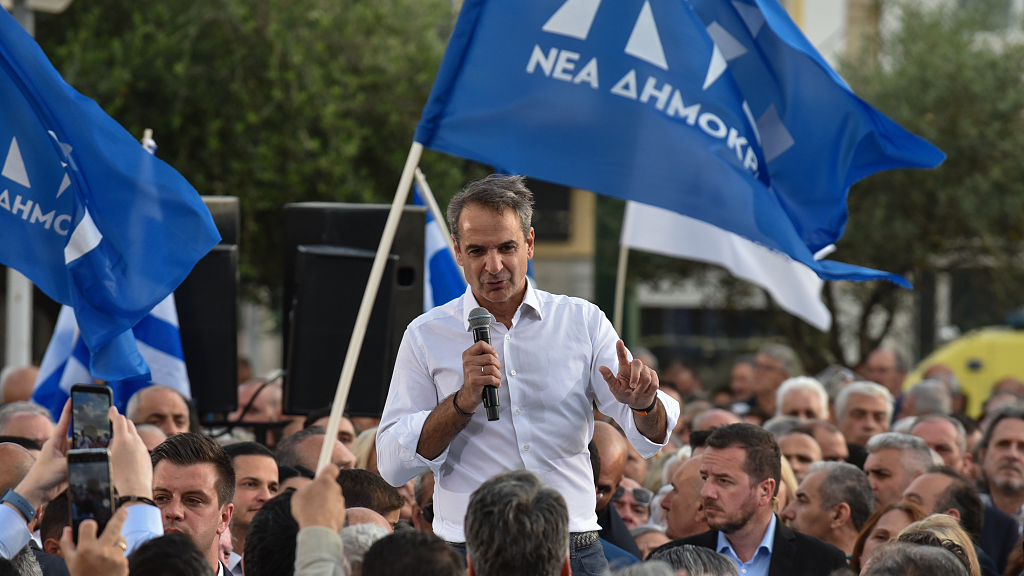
x=634, y=99
x=443, y=281
x=86, y=213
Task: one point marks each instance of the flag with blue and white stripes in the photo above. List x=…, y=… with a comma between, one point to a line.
x=443, y=281
x=66, y=361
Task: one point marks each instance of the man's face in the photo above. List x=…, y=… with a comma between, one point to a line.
x=1003, y=460
x=803, y=403
x=864, y=417
x=632, y=511
x=926, y=489
x=187, y=498
x=832, y=444
x=730, y=498
x=255, y=483
x=941, y=436
x=32, y=426
x=423, y=512
x=309, y=453
x=741, y=379
x=801, y=450
x=683, y=505
x=608, y=479
x=265, y=408
x=493, y=252
x=164, y=409
x=886, y=475
x=768, y=374
x=881, y=368
x=346, y=431
x=805, y=512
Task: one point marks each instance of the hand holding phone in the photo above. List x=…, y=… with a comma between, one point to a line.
x=94, y=554
x=90, y=492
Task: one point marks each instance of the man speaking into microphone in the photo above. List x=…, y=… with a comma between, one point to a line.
x=549, y=358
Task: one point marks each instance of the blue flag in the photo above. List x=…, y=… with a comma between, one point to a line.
x=644, y=101
x=443, y=281
x=86, y=213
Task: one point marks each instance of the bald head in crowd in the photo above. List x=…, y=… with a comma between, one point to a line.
x=17, y=383
x=611, y=445
x=17, y=461
x=160, y=406
x=714, y=418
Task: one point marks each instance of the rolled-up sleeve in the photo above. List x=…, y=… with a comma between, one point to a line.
x=411, y=398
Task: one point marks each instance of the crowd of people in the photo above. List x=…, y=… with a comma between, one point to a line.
x=596, y=465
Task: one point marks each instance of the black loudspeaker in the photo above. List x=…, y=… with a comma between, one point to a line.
x=207, y=303
x=323, y=317
x=358, y=227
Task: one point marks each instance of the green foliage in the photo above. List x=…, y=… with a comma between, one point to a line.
x=274, y=101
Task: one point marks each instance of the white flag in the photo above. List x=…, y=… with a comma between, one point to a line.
x=793, y=286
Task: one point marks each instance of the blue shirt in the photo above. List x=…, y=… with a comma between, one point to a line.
x=758, y=565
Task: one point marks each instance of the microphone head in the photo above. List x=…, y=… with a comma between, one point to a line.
x=479, y=317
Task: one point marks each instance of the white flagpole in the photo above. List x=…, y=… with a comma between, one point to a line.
x=428, y=197
x=620, y=288
x=348, y=369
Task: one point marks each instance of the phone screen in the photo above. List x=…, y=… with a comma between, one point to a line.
x=90, y=423
x=89, y=489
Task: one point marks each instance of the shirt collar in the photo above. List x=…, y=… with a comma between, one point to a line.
x=767, y=543
x=529, y=299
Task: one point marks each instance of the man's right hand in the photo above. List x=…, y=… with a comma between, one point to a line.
x=320, y=503
x=480, y=367
x=51, y=468
x=129, y=460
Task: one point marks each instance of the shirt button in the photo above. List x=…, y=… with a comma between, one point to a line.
x=519, y=410
x=508, y=336
x=526, y=448
x=513, y=372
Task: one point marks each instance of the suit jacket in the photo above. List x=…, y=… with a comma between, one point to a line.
x=998, y=536
x=792, y=552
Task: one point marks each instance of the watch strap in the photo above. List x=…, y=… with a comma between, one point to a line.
x=20, y=504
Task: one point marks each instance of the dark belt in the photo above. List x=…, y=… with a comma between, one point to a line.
x=577, y=540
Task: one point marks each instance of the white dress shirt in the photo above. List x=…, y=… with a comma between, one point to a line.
x=549, y=377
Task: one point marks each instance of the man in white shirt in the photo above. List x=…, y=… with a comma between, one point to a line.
x=549, y=358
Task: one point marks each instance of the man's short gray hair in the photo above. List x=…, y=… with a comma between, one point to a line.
x=8, y=411
x=845, y=482
x=931, y=397
x=802, y=383
x=785, y=355
x=356, y=540
x=287, y=453
x=496, y=192
x=515, y=526
x=961, y=432
x=864, y=389
x=696, y=560
x=915, y=455
x=652, y=568
x=780, y=426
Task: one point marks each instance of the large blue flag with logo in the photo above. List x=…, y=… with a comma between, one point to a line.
x=726, y=120
x=86, y=213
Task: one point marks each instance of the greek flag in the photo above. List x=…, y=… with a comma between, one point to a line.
x=443, y=280
x=66, y=361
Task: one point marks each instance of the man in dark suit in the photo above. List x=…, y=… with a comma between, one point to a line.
x=742, y=469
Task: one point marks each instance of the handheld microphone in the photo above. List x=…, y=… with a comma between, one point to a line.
x=480, y=324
